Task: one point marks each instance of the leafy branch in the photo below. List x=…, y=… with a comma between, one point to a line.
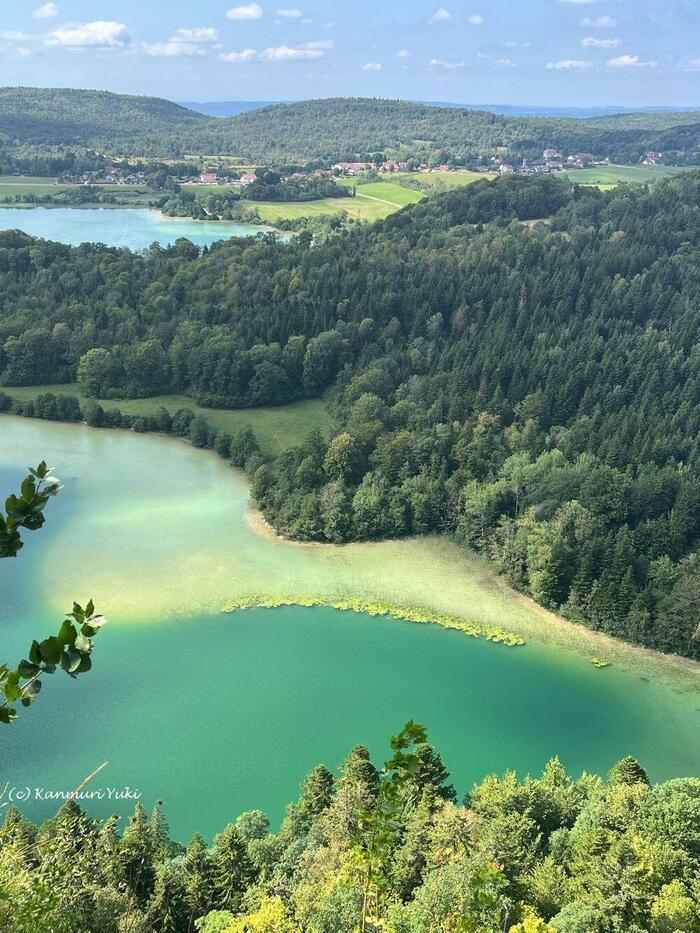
x=71, y=648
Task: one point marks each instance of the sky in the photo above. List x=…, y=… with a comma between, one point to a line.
x=521, y=52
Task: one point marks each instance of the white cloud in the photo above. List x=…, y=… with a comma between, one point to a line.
x=580, y=2
x=694, y=65
x=170, y=49
x=403, y=53
x=372, y=66
x=235, y=58
x=8, y=36
x=196, y=34
x=289, y=14
x=475, y=19
x=441, y=63
x=441, y=16
x=100, y=33
x=503, y=63
x=568, y=64
x=46, y=11
x=599, y=22
x=249, y=11
x=309, y=51
x=591, y=43
x=629, y=61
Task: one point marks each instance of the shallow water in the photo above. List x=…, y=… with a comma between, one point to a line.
x=135, y=228
x=218, y=713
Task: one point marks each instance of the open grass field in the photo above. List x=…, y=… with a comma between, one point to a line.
x=358, y=208
x=610, y=175
x=12, y=186
x=441, y=181
x=276, y=427
x=390, y=192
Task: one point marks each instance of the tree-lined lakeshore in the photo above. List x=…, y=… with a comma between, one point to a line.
x=527, y=389
x=297, y=473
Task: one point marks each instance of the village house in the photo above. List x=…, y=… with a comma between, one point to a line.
x=652, y=158
x=353, y=168
x=208, y=178
x=248, y=178
x=581, y=159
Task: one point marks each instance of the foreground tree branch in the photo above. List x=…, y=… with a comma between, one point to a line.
x=72, y=646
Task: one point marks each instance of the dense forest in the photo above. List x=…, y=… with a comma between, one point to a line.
x=67, y=116
x=530, y=388
x=372, y=850
x=323, y=131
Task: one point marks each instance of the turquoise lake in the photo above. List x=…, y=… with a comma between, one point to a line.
x=215, y=714
x=135, y=228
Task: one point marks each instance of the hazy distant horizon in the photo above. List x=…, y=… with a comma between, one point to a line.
x=583, y=53
x=225, y=108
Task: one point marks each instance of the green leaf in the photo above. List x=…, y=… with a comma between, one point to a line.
x=82, y=644
x=27, y=669
x=67, y=633
x=50, y=650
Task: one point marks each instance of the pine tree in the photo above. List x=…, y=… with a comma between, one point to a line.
x=136, y=856
x=200, y=879
x=233, y=870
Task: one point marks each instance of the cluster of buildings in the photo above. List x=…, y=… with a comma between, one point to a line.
x=358, y=168
x=212, y=178
x=551, y=162
x=112, y=176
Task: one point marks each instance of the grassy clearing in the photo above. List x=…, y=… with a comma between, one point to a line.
x=23, y=186
x=276, y=427
x=358, y=208
x=607, y=176
x=443, y=181
x=391, y=193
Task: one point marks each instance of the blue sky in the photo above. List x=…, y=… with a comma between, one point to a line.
x=540, y=52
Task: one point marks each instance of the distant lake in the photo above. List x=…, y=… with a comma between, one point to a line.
x=131, y=227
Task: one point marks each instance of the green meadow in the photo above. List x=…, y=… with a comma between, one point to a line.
x=276, y=427
x=608, y=175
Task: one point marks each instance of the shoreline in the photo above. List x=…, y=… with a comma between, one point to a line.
x=431, y=574
x=554, y=631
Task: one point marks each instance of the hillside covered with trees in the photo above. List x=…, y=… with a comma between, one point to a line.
x=323, y=131
x=68, y=117
x=370, y=850
x=531, y=389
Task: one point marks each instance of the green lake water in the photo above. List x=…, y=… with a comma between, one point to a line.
x=135, y=228
x=215, y=713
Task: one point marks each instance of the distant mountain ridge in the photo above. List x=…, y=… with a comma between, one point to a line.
x=231, y=108
x=227, y=108
x=323, y=131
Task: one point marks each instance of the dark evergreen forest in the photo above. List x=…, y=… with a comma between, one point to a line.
x=529, y=387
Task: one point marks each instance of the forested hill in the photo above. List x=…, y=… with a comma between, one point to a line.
x=323, y=131
x=65, y=116
x=532, y=390
x=346, y=128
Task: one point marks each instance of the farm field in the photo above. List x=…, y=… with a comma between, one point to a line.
x=27, y=186
x=275, y=427
x=610, y=175
x=359, y=208
x=439, y=181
